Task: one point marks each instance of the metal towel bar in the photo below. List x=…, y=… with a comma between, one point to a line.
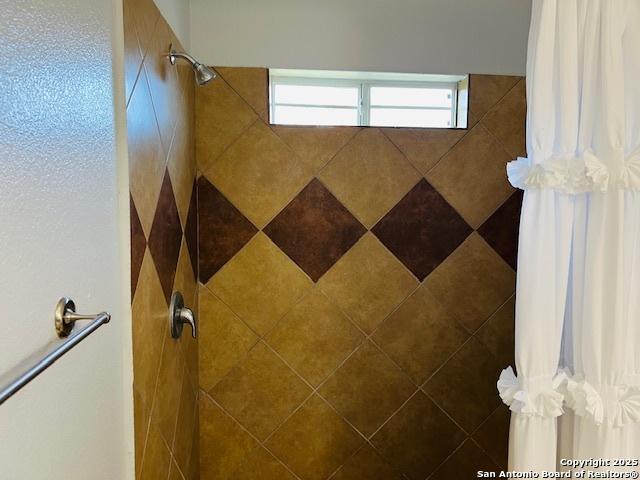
x=65, y=318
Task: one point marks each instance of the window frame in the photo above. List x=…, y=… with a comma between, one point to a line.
x=364, y=96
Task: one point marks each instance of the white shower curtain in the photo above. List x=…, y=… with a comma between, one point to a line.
x=577, y=390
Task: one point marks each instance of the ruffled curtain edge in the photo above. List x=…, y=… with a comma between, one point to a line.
x=574, y=174
x=548, y=396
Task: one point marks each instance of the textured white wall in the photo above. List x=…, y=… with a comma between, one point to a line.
x=422, y=36
x=176, y=13
x=61, y=211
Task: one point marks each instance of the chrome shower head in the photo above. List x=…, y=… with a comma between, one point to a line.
x=202, y=73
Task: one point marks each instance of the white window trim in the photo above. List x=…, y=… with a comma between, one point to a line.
x=364, y=88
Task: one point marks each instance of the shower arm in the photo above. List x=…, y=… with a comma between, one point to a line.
x=173, y=55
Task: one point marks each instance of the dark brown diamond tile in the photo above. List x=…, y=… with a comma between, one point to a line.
x=166, y=236
x=191, y=229
x=422, y=229
x=314, y=441
x=222, y=229
x=367, y=389
x=315, y=229
x=465, y=387
x=466, y=462
x=501, y=229
x=493, y=435
x=418, y=438
x=138, y=246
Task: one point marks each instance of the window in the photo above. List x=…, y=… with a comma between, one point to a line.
x=309, y=97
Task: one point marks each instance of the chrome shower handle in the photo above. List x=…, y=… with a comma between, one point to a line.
x=179, y=315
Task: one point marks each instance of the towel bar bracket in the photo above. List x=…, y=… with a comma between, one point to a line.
x=66, y=317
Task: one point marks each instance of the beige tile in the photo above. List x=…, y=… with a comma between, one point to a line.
x=189, y=346
x=167, y=398
x=472, y=283
x=314, y=337
x=184, y=70
x=367, y=283
x=132, y=53
x=424, y=147
x=146, y=156
x=315, y=145
x=140, y=426
x=259, y=174
x=420, y=335
x=155, y=463
x=493, y=435
x=224, y=339
x=465, y=387
x=314, y=441
x=163, y=83
x=260, y=283
x=193, y=471
x=367, y=389
x=472, y=176
x=146, y=15
x=186, y=425
x=418, y=438
x=252, y=84
x=174, y=472
x=498, y=333
x=366, y=464
x=223, y=443
x=466, y=462
x=369, y=175
x=182, y=165
x=149, y=317
x=260, y=392
x=485, y=91
x=261, y=465
x=221, y=117
x=185, y=280
x=507, y=119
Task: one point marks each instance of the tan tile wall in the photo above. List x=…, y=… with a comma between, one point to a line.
x=160, y=124
x=356, y=289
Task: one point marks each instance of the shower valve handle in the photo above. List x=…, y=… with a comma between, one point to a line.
x=179, y=315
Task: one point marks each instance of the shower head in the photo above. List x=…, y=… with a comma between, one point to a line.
x=202, y=73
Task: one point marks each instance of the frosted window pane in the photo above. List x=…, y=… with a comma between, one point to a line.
x=410, y=97
x=314, y=95
x=285, y=115
x=398, y=117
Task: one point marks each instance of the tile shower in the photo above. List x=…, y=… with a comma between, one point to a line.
x=355, y=285
x=355, y=289
x=160, y=127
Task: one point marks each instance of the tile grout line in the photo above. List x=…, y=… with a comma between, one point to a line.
x=247, y=431
x=471, y=127
x=204, y=170
x=262, y=338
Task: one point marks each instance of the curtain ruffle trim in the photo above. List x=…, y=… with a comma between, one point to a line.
x=541, y=398
x=586, y=173
x=614, y=405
